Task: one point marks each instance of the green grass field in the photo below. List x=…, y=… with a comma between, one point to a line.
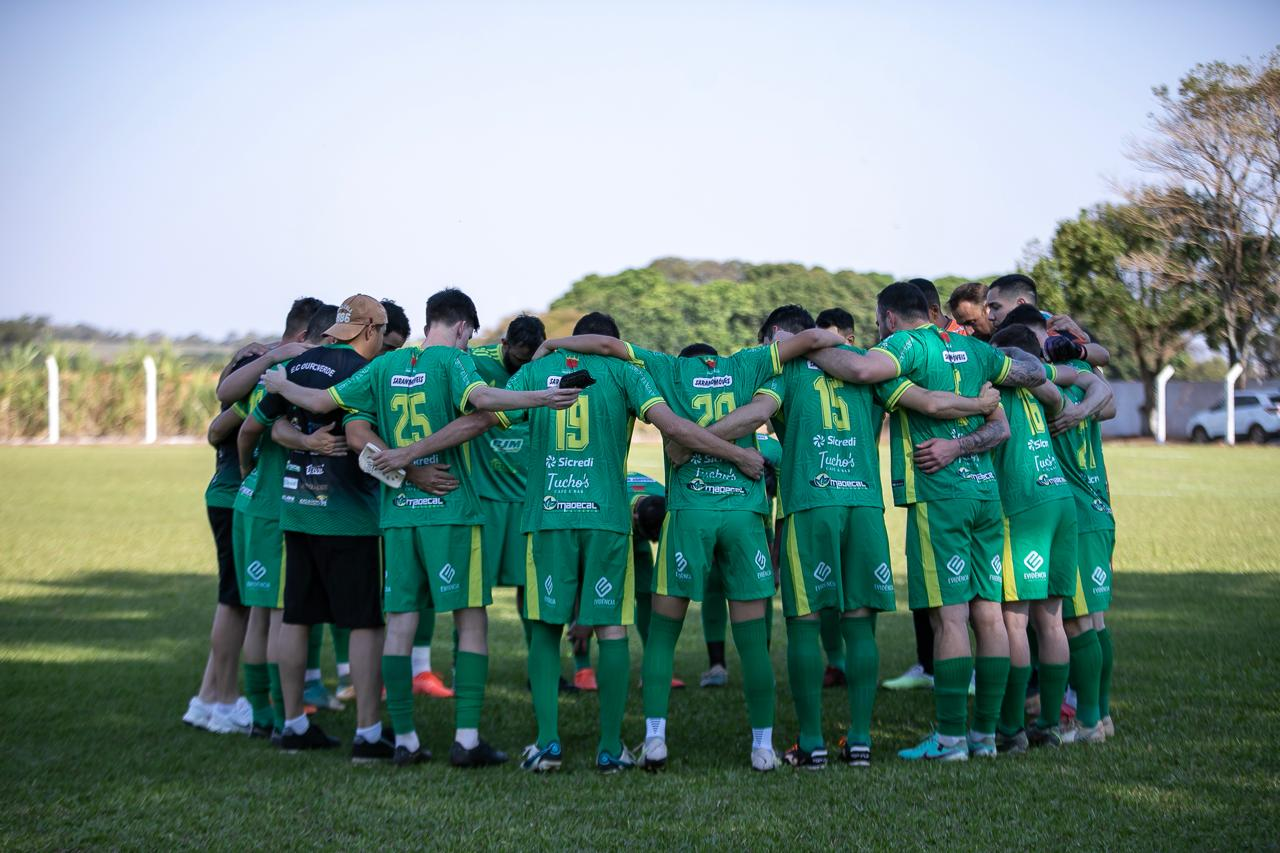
x=107, y=587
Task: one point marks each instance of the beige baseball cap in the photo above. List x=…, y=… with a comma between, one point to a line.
x=355, y=314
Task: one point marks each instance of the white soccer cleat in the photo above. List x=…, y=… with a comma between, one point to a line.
x=717, y=676
x=653, y=755
x=915, y=678
x=197, y=713
x=764, y=759
x=232, y=723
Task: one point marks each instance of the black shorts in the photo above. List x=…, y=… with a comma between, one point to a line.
x=220, y=520
x=335, y=579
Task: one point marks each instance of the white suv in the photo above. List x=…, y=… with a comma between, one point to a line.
x=1257, y=417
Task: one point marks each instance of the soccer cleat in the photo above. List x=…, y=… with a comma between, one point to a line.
x=764, y=759
x=1014, y=744
x=1050, y=737
x=855, y=754
x=313, y=738
x=198, y=713
x=608, y=764
x=585, y=679
x=264, y=732
x=276, y=739
x=542, y=760
x=797, y=757
x=932, y=749
x=915, y=678
x=370, y=752
x=982, y=746
x=314, y=693
x=1090, y=734
x=402, y=757
x=653, y=755
x=677, y=684
x=834, y=677
x=1108, y=727
x=238, y=722
x=346, y=690
x=717, y=676
x=429, y=684
x=480, y=755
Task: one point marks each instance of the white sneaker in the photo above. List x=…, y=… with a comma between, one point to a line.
x=653, y=755
x=914, y=678
x=765, y=759
x=242, y=713
x=197, y=713
x=227, y=724
x=717, y=676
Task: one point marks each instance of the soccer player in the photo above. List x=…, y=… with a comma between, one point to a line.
x=835, y=551
x=837, y=320
x=433, y=542
x=936, y=317
x=968, y=306
x=215, y=706
x=1077, y=442
x=954, y=529
x=579, y=523
x=1009, y=291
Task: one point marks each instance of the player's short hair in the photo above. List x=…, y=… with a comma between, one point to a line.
x=1020, y=336
x=397, y=320
x=651, y=511
x=300, y=314
x=526, y=332
x=597, y=323
x=903, y=299
x=929, y=290
x=834, y=318
x=1024, y=315
x=451, y=306
x=789, y=318
x=970, y=291
x=698, y=349
x=1014, y=286
x=321, y=319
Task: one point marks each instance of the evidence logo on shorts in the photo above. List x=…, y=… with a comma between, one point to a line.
x=256, y=572
x=1034, y=563
x=447, y=573
x=997, y=568
x=822, y=572
x=762, y=565
x=956, y=566
x=603, y=588
x=1099, y=578
x=547, y=585
x=408, y=381
x=884, y=578
x=682, y=565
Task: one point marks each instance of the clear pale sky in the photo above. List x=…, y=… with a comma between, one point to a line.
x=186, y=166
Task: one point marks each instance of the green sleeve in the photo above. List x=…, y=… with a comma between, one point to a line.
x=355, y=393
x=463, y=379
x=904, y=349
x=521, y=380
x=888, y=393
x=640, y=391
x=760, y=364
x=775, y=387
x=996, y=365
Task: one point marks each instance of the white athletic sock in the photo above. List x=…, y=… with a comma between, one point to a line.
x=420, y=657
x=762, y=738
x=298, y=725
x=468, y=738
x=312, y=675
x=977, y=735
x=655, y=727
x=344, y=670
x=224, y=709
x=950, y=740
x=409, y=741
x=372, y=734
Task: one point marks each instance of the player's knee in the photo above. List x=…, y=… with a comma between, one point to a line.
x=611, y=632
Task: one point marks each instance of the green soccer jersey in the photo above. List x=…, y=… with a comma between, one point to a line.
x=501, y=456
x=642, y=486
x=407, y=395
x=828, y=431
x=260, y=492
x=1027, y=467
x=704, y=389
x=938, y=361
x=770, y=448
x=578, y=455
x=225, y=484
x=1079, y=452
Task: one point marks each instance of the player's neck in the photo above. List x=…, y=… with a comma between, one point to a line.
x=440, y=337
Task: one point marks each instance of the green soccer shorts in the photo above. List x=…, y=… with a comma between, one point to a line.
x=559, y=563
x=259, y=550
x=1092, y=593
x=838, y=557
x=953, y=552
x=440, y=566
x=694, y=540
x=504, y=544
x=1039, y=557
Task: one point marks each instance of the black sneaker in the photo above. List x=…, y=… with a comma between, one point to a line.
x=402, y=757
x=313, y=738
x=367, y=752
x=566, y=687
x=855, y=754
x=276, y=738
x=258, y=731
x=797, y=757
x=480, y=755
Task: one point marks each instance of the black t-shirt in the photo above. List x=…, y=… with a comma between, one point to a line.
x=222, y=488
x=323, y=495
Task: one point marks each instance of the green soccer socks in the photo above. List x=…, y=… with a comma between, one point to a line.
x=658, y=664
x=862, y=672
x=991, y=676
x=1104, y=679
x=951, y=694
x=1086, y=676
x=757, y=672
x=397, y=675
x=1013, y=709
x=832, y=638
x=804, y=670
x=468, y=684
x=544, y=679
x=612, y=679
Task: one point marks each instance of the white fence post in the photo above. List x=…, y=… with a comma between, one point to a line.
x=55, y=426
x=149, y=367
x=1162, y=379
x=1230, y=391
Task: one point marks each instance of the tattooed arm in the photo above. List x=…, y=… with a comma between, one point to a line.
x=1027, y=371
x=937, y=453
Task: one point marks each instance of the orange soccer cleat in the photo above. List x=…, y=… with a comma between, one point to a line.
x=585, y=679
x=429, y=684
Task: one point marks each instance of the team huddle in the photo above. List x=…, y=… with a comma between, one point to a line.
x=368, y=485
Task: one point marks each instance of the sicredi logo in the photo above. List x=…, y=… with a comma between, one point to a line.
x=408, y=381
x=822, y=572
x=447, y=573
x=256, y=570
x=955, y=565
x=1033, y=561
x=603, y=587
x=954, y=357
x=882, y=573
x=1099, y=576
